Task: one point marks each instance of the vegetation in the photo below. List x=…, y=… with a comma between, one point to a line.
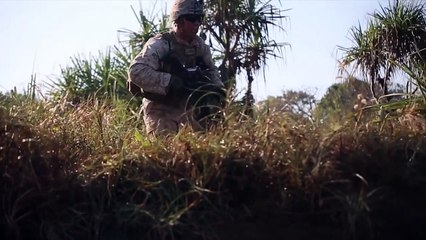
x=104, y=76
x=297, y=169
x=394, y=41
x=298, y=104
x=239, y=33
x=343, y=100
x=89, y=172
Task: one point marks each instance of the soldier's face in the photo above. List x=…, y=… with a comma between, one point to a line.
x=191, y=24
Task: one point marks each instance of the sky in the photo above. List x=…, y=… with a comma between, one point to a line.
x=40, y=36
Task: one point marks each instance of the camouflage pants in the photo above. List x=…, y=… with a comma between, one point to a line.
x=165, y=119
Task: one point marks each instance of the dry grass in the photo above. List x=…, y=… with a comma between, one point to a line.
x=89, y=172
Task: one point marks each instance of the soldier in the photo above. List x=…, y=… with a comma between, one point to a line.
x=164, y=106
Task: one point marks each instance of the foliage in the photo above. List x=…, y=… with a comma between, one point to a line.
x=102, y=76
x=300, y=104
x=342, y=100
x=149, y=27
x=394, y=40
x=89, y=172
x=105, y=75
x=239, y=32
x=13, y=98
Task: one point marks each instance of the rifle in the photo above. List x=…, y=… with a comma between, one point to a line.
x=203, y=96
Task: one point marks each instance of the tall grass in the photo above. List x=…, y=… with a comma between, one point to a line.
x=90, y=172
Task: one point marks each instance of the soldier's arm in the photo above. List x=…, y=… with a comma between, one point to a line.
x=144, y=69
x=213, y=73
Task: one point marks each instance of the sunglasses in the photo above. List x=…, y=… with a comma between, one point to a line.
x=193, y=18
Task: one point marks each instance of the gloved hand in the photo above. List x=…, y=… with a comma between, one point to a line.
x=176, y=84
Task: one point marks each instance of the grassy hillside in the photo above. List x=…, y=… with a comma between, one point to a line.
x=89, y=172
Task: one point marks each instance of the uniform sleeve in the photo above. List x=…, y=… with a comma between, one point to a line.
x=213, y=72
x=144, y=69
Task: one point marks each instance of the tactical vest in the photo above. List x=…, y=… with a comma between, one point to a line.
x=188, y=56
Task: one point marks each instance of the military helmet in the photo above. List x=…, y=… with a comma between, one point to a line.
x=185, y=7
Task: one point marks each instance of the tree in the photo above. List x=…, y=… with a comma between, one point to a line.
x=238, y=31
x=299, y=104
x=394, y=40
x=340, y=99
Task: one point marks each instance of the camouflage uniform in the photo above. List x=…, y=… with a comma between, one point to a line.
x=146, y=72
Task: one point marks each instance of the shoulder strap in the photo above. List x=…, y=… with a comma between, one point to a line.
x=168, y=37
x=181, y=52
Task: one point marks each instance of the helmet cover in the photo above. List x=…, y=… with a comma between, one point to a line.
x=186, y=7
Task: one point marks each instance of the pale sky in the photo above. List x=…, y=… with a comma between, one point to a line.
x=39, y=36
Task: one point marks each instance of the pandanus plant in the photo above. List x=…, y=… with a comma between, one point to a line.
x=393, y=41
x=239, y=32
x=105, y=75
